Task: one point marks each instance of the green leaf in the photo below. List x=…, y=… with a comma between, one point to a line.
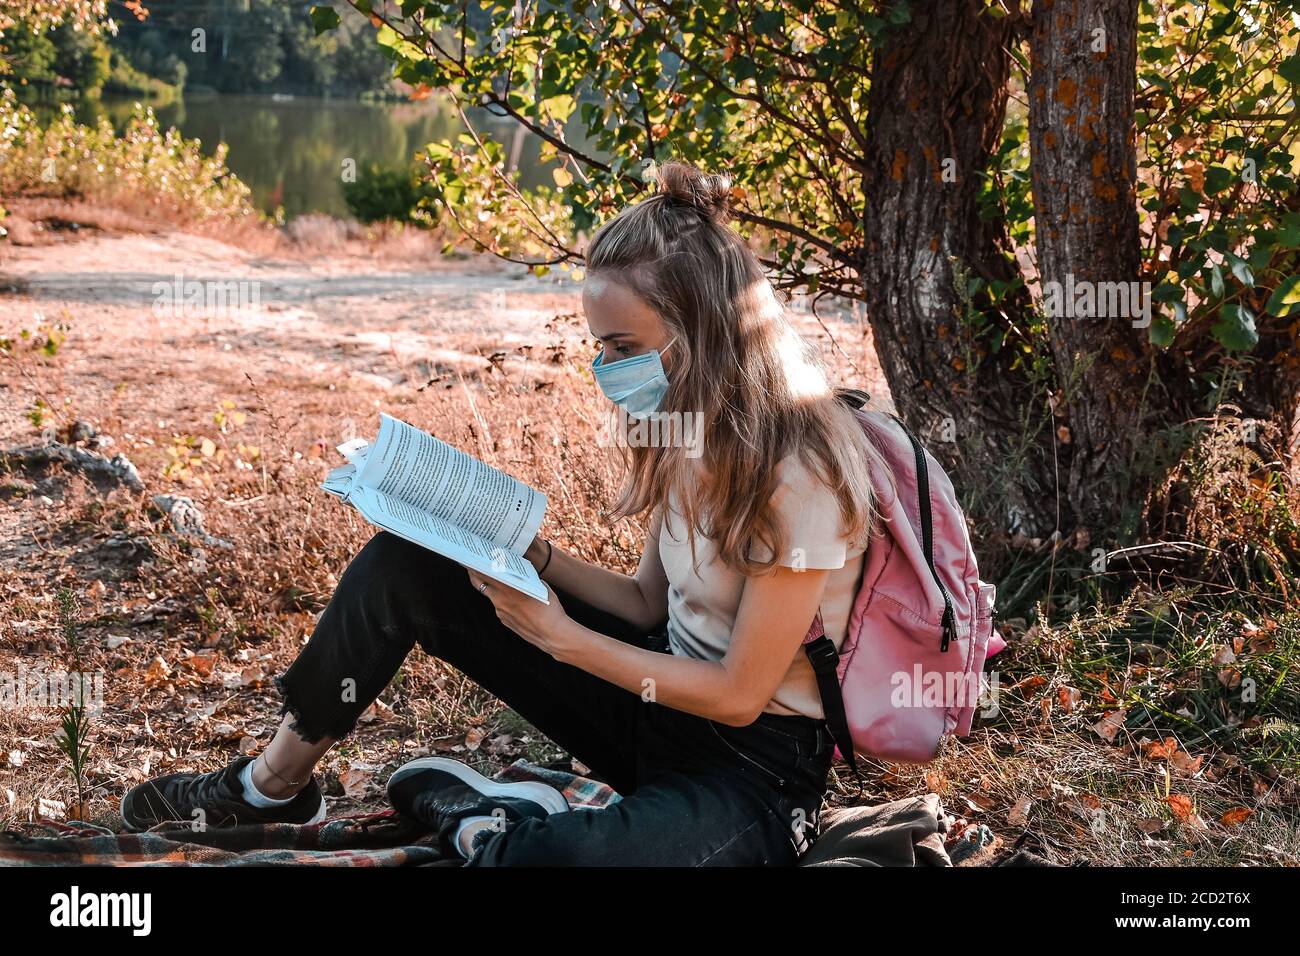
x=1241, y=270
x=324, y=19
x=1235, y=328
x=1289, y=234
x=1216, y=281
x=557, y=107
x=769, y=22
x=1290, y=69
x=1285, y=300
x=1217, y=179
x=1162, y=331
x=438, y=152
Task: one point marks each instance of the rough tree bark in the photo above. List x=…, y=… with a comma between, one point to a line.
x=1083, y=171
x=935, y=113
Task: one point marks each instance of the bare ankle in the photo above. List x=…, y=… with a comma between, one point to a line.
x=272, y=785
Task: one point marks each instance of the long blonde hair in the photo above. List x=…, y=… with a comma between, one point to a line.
x=760, y=390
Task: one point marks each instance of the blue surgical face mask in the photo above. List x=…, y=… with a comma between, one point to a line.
x=637, y=383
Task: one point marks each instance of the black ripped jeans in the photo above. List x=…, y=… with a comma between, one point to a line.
x=695, y=792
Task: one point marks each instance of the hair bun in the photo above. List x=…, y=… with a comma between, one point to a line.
x=710, y=193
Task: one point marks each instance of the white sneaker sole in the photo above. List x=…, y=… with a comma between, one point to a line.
x=321, y=813
x=544, y=795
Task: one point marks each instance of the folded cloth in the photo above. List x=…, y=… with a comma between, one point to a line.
x=902, y=833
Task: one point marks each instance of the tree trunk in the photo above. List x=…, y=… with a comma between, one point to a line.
x=935, y=113
x=1083, y=170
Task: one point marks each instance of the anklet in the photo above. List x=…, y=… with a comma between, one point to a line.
x=292, y=783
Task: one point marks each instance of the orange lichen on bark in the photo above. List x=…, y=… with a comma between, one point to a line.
x=900, y=166
x=1067, y=92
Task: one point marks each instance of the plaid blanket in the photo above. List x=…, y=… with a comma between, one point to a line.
x=911, y=832
x=374, y=839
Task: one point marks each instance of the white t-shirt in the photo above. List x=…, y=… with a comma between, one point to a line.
x=703, y=601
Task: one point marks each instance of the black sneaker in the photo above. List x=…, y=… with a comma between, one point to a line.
x=440, y=792
x=220, y=797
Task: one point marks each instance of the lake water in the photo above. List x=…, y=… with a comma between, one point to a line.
x=290, y=151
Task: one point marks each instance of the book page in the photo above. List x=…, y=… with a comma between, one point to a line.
x=443, y=537
x=431, y=476
x=339, y=481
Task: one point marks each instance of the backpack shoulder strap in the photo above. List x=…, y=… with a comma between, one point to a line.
x=821, y=652
x=825, y=661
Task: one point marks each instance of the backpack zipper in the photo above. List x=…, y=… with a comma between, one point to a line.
x=949, y=620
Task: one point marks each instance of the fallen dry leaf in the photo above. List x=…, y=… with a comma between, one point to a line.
x=1184, y=812
x=1110, y=725
x=157, y=671
x=358, y=778
x=1230, y=677
x=1161, y=749
x=202, y=664
x=1236, y=816
x=1224, y=655
x=377, y=711
x=1033, y=682
x=1019, y=814
x=980, y=802
x=1184, y=763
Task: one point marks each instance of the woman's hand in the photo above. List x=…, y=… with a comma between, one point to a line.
x=542, y=625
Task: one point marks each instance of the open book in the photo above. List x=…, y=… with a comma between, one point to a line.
x=431, y=494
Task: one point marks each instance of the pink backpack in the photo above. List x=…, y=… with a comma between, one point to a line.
x=909, y=671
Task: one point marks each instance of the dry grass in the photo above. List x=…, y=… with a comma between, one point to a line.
x=44, y=220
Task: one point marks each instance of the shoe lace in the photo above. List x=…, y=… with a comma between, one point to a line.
x=205, y=790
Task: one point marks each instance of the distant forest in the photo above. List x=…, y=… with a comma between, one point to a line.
x=230, y=46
